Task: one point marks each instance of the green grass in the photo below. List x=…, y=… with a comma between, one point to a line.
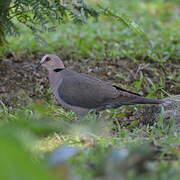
x=39, y=128
x=109, y=38
x=46, y=127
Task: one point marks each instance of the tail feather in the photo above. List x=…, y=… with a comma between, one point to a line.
x=144, y=100
x=138, y=100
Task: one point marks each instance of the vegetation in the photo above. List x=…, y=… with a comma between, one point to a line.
x=105, y=148
x=37, y=15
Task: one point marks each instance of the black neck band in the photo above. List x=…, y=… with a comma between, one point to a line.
x=58, y=69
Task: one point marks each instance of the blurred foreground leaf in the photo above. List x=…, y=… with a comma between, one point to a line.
x=16, y=162
x=38, y=123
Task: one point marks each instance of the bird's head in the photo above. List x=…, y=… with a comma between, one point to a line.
x=51, y=62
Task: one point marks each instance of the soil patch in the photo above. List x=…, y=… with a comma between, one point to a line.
x=20, y=82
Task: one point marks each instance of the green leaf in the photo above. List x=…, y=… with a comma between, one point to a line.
x=16, y=162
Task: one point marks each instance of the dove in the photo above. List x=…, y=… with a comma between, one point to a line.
x=83, y=93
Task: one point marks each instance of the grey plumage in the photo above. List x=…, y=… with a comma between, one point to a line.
x=81, y=93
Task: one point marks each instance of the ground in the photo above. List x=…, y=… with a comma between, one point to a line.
x=110, y=51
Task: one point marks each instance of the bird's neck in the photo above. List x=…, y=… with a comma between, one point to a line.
x=54, y=75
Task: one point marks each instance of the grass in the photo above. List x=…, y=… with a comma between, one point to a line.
x=132, y=152
x=109, y=38
x=43, y=131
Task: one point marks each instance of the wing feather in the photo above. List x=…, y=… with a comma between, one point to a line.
x=83, y=91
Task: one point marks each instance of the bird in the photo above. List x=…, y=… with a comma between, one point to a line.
x=83, y=93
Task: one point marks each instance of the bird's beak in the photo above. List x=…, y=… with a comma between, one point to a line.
x=38, y=66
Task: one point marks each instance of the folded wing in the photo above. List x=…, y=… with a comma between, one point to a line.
x=83, y=91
